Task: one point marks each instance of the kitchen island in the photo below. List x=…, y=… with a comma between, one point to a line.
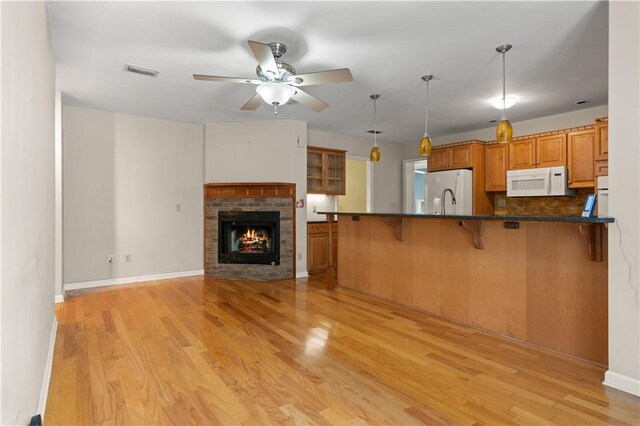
x=537, y=279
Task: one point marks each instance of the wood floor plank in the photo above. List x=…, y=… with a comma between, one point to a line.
x=203, y=351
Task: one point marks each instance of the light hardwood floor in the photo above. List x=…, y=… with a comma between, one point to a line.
x=204, y=351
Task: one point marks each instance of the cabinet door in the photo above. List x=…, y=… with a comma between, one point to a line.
x=580, y=148
x=495, y=172
x=602, y=142
x=522, y=154
x=551, y=151
x=438, y=160
x=461, y=157
x=318, y=252
x=336, y=174
x=315, y=175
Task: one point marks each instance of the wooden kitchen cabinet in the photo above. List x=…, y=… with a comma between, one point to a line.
x=551, y=151
x=438, y=160
x=461, y=157
x=318, y=246
x=326, y=171
x=543, y=151
x=451, y=158
x=580, y=158
x=496, y=162
x=602, y=139
x=464, y=155
x=601, y=153
x=522, y=154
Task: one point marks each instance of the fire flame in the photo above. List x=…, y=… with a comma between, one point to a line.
x=252, y=242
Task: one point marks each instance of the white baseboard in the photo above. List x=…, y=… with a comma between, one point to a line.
x=46, y=378
x=128, y=280
x=623, y=383
x=304, y=274
x=59, y=298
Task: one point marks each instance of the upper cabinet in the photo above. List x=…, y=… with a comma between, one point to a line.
x=495, y=174
x=551, y=151
x=580, y=158
x=451, y=157
x=522, y=154
x=326, y=171
x=464, y=155
x=601, y=153
x=543, y=151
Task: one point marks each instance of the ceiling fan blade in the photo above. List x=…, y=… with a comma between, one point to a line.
x=252, y=103
x=225, y=79
x=341, y=75
x=264, y=56
x=310, y=101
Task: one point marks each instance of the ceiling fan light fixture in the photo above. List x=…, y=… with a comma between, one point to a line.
x=275, y=93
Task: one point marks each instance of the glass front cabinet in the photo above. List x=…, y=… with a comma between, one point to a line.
x=326, y=171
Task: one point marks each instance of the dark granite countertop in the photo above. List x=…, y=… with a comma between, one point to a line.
x=565, y=219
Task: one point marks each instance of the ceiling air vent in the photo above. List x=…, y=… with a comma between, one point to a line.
x=139, y=70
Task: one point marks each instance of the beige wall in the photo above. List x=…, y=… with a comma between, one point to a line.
x=27, y=87
x=355, y=199
x=387, y=174
x=123, y=178
x=624, y=196
x=262, y=151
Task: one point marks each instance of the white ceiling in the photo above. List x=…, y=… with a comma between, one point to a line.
x=559, y=55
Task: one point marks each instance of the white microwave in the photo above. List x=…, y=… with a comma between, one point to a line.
x=543, y=182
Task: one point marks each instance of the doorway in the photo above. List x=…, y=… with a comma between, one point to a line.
x=413, y=178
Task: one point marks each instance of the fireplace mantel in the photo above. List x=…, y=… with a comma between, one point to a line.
x=250, y=189
x=250, y=196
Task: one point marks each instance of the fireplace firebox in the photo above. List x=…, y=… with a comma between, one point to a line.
x=251, y=237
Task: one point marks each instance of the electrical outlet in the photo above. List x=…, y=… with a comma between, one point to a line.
x=501, y=202
x=178, y=207
x=315, y=209
x=110, y=258
x=127, y=258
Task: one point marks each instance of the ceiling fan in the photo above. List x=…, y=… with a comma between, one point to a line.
x=278, y=82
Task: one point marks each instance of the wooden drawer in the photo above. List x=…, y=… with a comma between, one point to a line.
x=602, y=168
x=318, y=228
x=321, y=228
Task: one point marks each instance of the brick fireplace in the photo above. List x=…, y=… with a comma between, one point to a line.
x=249, y=230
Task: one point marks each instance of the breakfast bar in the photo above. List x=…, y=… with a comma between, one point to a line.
x=540, y=279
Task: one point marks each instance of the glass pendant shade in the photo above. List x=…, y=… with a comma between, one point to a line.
x=425, y=146
x=504, y=131
x=374, y=155
x=275, y=93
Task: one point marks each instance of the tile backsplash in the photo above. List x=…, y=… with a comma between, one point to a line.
x=541, y=206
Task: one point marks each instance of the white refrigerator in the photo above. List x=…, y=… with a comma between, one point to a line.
x=458, y=181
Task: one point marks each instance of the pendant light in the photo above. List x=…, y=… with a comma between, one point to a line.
x=425, y=142
x=504, y=131
x=374, y=155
